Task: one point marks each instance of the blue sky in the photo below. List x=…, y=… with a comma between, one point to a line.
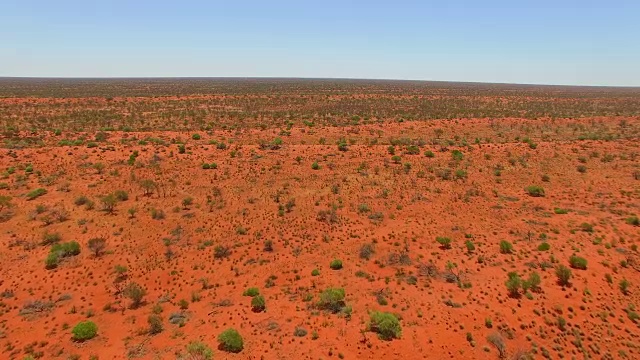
x=549, y=42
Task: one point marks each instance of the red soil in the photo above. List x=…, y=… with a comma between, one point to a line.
x=417, y=206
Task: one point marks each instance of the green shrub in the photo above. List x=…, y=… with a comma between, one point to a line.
x=624, y=286
x=258, y=303
x=445, y=242
x=81, y=200
x=84, y=330
x=121, y=195
x=33, y=194
x=470, y=246
x=544, y=246
x=71, y=248
x=50, y=238
x=155, y=324
x=52, y=260
x=253, y=291
x=560, y=211
x=563, y=274
x=231, y=341
x=336, y=264
x=315, y=272
x=457, y=155
x=633, y=220
x=332, y=299
x=195, y=136
x=135, y=292
x=533, y=282
x=315, y=165
x=578, y=262
x=514, y=283
x=535, y=191
x=200, y=351
x=386, y=325
x=429, y=154
x=506, y=247
x=586, y=227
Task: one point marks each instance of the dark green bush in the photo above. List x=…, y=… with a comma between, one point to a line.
x=544, y=246
x=386, y=325
x=336, y=264
x=231, y=341
x=33, y=194
x=578, y=262
x=445, y=242
x=84, y=330
x=258, y=303
x=506, y=247
x=253, y=291
x=332, y=299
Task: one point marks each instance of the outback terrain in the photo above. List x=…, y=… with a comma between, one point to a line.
x=318, y=219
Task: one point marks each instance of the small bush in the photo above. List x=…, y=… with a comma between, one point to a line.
x=514, y=283
x=85, y=330
x=49, y=238
x=71, y=248
x=624, y=286
x=336, y=264
x=155, y=324
x=315, y=166
x=199, y=351
x=386, y=325
x=231, y=341
x=81, y=200
x=157, y=214
x=221, y=252
x=533, y=282
x=253, y=291
x=586, y=227
x=544, y=246
x=195, y=136
x=470, y=246
x=560, y=211
x=366, y=251
x=332, y=299
x=34, y=194
x=97, y=245
x=506, y=247
x=578, y=262
x=121, y=195
x=633, y=220
x=258, y=303
x=535, y=191
x=135, y=293
x=563, y=274
x=445, y=242
x=457, y=155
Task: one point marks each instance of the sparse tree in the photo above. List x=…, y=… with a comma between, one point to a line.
x=97, y=245
x=136, y=293
x=109, y=203
x=148, y=186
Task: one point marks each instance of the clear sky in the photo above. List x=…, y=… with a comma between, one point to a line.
x=581, y=42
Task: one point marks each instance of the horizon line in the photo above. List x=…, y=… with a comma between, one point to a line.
x=2, y=77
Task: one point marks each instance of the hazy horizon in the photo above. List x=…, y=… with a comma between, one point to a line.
x=573, y=43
